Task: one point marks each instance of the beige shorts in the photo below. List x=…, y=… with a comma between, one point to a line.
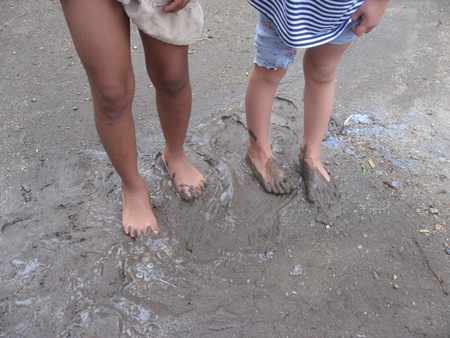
x=180, y=28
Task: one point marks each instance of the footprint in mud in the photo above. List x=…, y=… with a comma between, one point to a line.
x=73, y=175
x=235, y=214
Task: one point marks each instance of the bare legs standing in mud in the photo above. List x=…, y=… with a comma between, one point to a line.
x=101, y=33
x=320, y=64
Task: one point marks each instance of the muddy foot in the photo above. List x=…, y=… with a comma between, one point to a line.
x=317, y=188
x=137, y=213
x=188, y=181
x=271, y=175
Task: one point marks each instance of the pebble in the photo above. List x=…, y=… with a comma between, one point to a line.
x=396, y=286
x=433, y=211
x=25, y=187
x=447, y=250
x=264, y=257
x=297, y=271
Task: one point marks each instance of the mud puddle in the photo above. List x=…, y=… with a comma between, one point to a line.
x=232, y=262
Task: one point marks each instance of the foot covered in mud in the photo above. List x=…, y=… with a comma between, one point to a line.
x=188, y=181
x=137, y=213
x=270, y=175
x=318, y=188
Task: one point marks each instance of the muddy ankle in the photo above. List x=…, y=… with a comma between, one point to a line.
x=318, y=189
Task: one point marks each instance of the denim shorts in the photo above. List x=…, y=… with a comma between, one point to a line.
x=273, y=53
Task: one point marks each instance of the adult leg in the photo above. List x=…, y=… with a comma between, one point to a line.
x=259, y=98
x=101, y=33
x=167, y=66
x=320, y=64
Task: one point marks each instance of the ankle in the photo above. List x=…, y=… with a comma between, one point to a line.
x=256, y=151
x=170, y=154
x=310, y=154
x=134, y=184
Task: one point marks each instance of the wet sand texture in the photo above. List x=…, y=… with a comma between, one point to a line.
x=236, y=262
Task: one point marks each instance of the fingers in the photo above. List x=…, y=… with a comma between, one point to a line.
x=360, y=29
x=370, y=13
x=175, y=6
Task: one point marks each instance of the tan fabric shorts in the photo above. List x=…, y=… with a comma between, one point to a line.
x=180, y=28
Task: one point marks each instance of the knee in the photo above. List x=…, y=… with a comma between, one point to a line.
x=318, y=72
x=170, y=82
x=113, y=98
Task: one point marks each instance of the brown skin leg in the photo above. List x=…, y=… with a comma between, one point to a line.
x=167, y=66
x=101, y=33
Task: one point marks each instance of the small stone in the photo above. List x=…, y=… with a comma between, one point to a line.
x=360, y=247
x=375, y=275
x=396, y=286
x=433, y=211
x=447, y=250
x=297, y=271
x=33, y=99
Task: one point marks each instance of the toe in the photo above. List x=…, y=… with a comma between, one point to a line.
x=286, y=187
x=268, y=187
x=278, y=188
x=184, y=195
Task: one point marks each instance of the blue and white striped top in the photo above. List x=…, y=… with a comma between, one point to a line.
x=308, y=23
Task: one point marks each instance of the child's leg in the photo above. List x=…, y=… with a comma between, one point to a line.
x=320, y=64
x=100, y=31
x=167, y=66
x=259, y=98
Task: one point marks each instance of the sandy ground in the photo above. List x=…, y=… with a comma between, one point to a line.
x=237, y=262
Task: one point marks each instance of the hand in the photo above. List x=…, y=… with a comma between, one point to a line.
x=175, y=6
x=370, y=13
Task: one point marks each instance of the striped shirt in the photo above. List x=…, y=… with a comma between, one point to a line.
x=308, y=23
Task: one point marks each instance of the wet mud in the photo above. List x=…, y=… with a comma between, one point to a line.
x=236, y=261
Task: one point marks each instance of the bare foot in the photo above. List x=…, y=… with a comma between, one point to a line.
x=137, y=213
x=317, y=181
x=270, y=175
x=188, y=181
